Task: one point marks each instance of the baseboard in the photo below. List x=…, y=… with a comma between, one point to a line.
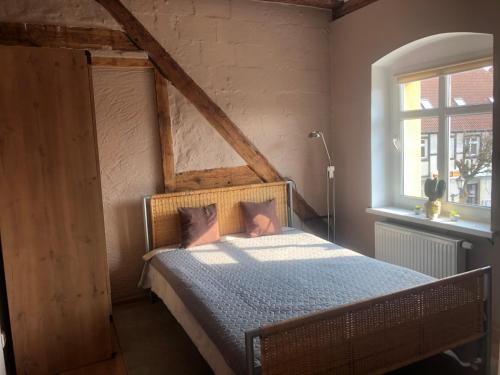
x=131, y=299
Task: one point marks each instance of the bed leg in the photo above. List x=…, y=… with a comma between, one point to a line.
x=249, y=350
x=475, y=364
x=487, y=358
x=153, y=297
x=486, y=341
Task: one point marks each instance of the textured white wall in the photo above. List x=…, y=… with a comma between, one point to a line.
x=267, y=65
x=130, y=162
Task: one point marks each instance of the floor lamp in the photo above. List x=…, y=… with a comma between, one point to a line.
x=330, y=180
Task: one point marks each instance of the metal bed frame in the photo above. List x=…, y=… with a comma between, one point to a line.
x=377, y=335
x=381, y=334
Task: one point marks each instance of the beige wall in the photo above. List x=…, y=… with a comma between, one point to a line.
x=129, y=155
x=267, y=65
x=357, y=41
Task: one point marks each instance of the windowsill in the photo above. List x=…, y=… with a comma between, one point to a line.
x=474, y=228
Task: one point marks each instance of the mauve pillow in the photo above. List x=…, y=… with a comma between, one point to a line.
x=199, y=226
x=260, y=218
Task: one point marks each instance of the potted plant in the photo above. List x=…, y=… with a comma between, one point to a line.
x=454, y=215
x=435, y=211
x=417, y=209
x=434, y=189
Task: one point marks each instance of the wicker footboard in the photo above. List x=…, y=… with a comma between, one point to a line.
x=380, y=334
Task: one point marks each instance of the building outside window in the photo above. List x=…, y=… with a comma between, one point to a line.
x=445, y=118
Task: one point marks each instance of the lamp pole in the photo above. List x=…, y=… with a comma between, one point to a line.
x=330, y=180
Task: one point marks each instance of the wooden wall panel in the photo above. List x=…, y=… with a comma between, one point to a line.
x=55, y=36
x=342, y=8
x=51, y=220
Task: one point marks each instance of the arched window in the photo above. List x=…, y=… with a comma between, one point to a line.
x=432, y=111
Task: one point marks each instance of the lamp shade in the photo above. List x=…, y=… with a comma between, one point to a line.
x=315, y=134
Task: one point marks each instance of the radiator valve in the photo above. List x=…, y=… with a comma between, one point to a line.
x=467, y=245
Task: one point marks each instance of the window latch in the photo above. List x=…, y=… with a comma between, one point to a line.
x=396, y=143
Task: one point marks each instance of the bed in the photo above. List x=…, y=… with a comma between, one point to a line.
x=295, y=304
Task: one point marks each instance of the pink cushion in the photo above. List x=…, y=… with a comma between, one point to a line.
x=199, y=226
x=260, y=218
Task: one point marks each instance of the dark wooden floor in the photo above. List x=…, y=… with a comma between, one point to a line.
x=153, y=343
x=149, y=341
x=114, y=366
x=441, y=364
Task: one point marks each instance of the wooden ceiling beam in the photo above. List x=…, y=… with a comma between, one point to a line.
x=37, y=35
x=343, y=8
x=325, y=4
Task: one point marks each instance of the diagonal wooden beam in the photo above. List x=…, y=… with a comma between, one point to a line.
x=325, y=4
x=37, y=35
x=171, y=70
x=185, y=84
x=165, y=127
x=343, y=8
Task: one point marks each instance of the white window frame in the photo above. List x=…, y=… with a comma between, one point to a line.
x=459, y=100
x=442, y=112
x=474, y=140
x=426, y=103
x=425, y=145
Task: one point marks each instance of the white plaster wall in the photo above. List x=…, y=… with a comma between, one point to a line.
x=129, y=157
x=359, y=40
x=267, y=65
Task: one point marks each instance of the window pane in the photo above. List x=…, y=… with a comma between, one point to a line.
x=420, y=138
x=471, y=87
x=470, y=160
x=422, y=94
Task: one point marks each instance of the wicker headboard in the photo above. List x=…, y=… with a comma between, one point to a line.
x=162, y=220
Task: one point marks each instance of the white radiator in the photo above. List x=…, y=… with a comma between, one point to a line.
x=435, y=255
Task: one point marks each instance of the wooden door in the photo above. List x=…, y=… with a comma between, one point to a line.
x=51, y=218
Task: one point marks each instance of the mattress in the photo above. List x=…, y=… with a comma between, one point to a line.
x=157, y=283
x=241, y=283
